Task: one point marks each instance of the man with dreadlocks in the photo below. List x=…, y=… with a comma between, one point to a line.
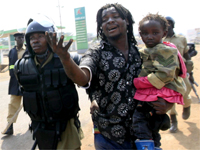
x=107, y=72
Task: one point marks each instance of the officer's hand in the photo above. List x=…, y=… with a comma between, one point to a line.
x=58, y=48
x=161, y=106
x=94, y=107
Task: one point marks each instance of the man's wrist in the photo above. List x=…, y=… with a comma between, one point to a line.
x=64, y=58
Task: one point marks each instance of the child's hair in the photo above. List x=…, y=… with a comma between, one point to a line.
x=164, y=23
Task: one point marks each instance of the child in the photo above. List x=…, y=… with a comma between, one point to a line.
x=160, y=77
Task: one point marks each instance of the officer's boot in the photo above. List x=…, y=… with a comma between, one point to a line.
x=186, y=113
x=10, y=130
x=173, y=128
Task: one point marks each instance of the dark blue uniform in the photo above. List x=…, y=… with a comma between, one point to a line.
x=13, y=84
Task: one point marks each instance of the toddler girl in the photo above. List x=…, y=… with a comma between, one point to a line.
x=160, y=77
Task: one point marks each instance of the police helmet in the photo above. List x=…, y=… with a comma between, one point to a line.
x=39, y=24
x=170, y=19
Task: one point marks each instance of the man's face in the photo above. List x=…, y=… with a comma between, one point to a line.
x=152, y=33
x=19, y=39
x=38, y=43
x=170, y=27
x=113, y=25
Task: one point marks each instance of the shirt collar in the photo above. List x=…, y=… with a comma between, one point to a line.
x=174, y=35
x=104, y=43
x=48, y=60
x=23, y=47
x=108, y=46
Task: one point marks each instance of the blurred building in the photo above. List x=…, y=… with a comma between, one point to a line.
x=193, y=36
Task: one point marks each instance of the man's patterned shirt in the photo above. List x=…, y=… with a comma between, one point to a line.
x=112, y=87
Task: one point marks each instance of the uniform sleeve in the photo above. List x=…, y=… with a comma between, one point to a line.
x=188, y=63
x=10, y=67
x=186, y=48
x=165, y=61
x=9, y=59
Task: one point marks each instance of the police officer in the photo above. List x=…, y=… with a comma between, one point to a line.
x=49, y=96
x=181, y=44
x=15, y=94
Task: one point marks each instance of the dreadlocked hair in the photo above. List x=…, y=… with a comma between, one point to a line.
x=124, y=14
x=156, y=17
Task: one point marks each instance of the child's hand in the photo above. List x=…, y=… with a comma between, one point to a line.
x=161, y=106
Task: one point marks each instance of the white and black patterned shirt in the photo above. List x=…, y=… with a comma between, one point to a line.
x=112, y=87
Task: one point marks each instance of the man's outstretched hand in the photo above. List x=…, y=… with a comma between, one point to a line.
x=58, y=47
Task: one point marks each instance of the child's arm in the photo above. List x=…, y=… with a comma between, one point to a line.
x=183, y=73
x=165, y=61
x=156, y=54
x=160, y=73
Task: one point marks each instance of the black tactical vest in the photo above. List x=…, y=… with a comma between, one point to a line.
x=48, y=94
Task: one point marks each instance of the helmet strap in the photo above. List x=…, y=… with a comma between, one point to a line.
x=40, y=56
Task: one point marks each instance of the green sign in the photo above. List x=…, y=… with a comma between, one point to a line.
x=4, y=47
x=81, y=30
x=67, y=38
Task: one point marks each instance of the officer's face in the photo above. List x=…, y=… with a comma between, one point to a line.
x=38, y=43
x=152, y=33
x=170, y=27
x=19, y=39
